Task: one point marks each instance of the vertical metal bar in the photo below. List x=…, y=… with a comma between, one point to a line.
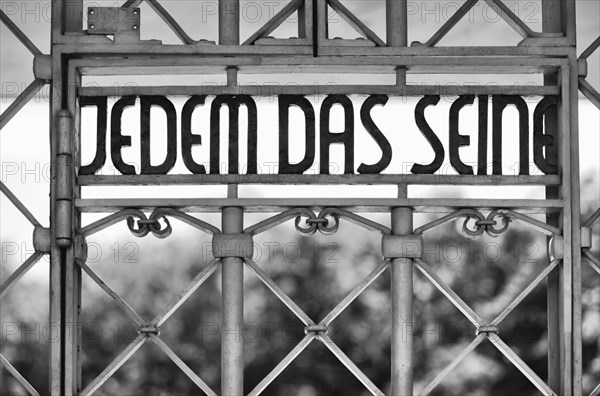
x=55, y=289
x=229, y=22
x=402, y=306
x=396, y=23
x=397, y=30
x=565, y=270
x=232, y=360
x=72, y=16
x=72, y=283
x=551, y=23
x=302, y=19
x=321, y=9
x=576, y=345
x=572, y=282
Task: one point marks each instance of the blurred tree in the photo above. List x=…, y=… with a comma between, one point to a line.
x=486, y=272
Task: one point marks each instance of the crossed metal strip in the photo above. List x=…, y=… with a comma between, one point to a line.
x=584, y=86
x=586, y=253
x=149, y=330
x=33, y=88
x=487, y=224
x=485, y=330
x=16, y=276
x=24, y=383
x=497, y=5
x=159, y=319
x=317, y=331
x=165, y=16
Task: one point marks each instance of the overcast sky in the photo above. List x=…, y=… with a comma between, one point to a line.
x=198, y=17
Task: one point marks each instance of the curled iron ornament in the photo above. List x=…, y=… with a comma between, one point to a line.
x=152, y=224
x=485, y=224
x=319, y=223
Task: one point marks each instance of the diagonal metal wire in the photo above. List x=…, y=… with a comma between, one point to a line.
x=354, y=293
x=589, y=92
x=186, y=293
x=19, y=205
x=275, y=21
x=19, y=33
x=289, y=358
x=349, y=364
x=449, y=293
x=584, y=86
x=292, y=306
x=181, y=364
x=171, y=22
x=592, y=261
x=165, y=16
x=592, y=219
x=509, y=17
x=530, y=222
x=590, y=50
x=351, y=296
x=118, y=299
x=461, y=356
x=173, y=305
x=520, y=364
x=596, y=391
x=478, y=322
x=15, y=373
x=450, y=23
x=19, y=272
x=131, y=4
x=355, y=22
x=21, y=100
x=532, y=285
x=115, y=365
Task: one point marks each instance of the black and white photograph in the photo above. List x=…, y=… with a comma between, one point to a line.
x=300, y=197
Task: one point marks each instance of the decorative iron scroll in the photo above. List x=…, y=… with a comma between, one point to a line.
x=314, y=222
x=147, y=224
x=489, y=224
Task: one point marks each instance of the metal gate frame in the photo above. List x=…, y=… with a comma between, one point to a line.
x=76, y=53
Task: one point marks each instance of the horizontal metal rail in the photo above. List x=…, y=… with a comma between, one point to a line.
x=266, y=205
x=382, y=179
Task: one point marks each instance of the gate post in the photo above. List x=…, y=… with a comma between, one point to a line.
x=402, y=305
x=232, y=361
x=552, y=23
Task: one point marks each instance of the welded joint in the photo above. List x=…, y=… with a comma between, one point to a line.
x=233, y=245
x=80, y=248
x=42, y=67
x=147, y=330
x=487, y=330
x=64, y=180
x=316, y=329
x=582, y=67
x=232, y=76
x=42, y=239
x=556, y=248
x=402, y=246
x=586, y=237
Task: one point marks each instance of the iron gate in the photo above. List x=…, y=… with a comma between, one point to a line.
x=77, y=53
